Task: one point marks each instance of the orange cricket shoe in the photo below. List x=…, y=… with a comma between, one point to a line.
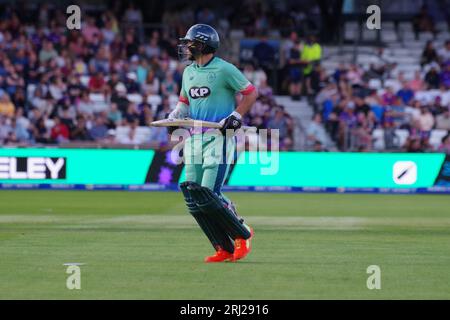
x=242, y=247
x=220, y=256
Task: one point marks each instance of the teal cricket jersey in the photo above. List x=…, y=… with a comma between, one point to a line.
x=210, y=90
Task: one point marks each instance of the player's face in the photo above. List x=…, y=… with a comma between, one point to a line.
x=185, y=50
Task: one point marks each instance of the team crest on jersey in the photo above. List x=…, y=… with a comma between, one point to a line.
x=199, y=92
x=211, y=77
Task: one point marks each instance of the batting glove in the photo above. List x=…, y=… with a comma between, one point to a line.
x=233, y=121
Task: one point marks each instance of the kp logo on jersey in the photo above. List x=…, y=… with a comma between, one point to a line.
x=199, y=92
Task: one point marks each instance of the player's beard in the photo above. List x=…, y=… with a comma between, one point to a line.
x=195, y=50
x=188, y=53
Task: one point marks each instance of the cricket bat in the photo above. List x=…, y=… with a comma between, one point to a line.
x=187, y=122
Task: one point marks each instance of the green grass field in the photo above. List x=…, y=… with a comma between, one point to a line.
x=143, y=245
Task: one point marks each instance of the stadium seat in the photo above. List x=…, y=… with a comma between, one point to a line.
x=445, y=96
x=350, y=31
x=135, y=97
x=425, y=36
x=122, y=131
x=436, y=137
x=408, y=36
x=441, y=26
x=405, y=60
x=427, y=96
x=405, y=26
x=366, y=59
x=154, y=101
x=49, y=123
x=143, y=134
x=96, y=97
x=378, y=139
x=375, y=84
x=443, y=36
x=415, y=44
x=381, y=91
x=99, y=102
x=388, y=26
x=84, y=80
x=401, y=136
x=389, y=36
x=369, y=35
x=393, y=83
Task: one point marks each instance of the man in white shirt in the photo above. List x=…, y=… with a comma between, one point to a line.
x=443, y=120
x=425, y=119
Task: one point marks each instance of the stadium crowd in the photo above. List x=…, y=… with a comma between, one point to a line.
x=350, y=108
x=60, y=86
x=107, y=81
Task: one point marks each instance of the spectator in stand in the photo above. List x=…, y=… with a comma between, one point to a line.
x=59, y=132
x=310, y=56
x=80, y=133
x=119, y=96
x=151, y=85
x=423, y=22
x=444, y=53
x=74, y=88
x=316, y=132
x=131, y=83
x=362, y=134
x=443, y=120
x=163, y=109
x=84, y=105
x=354, y=75
x=57, y=63
x=264, y=55
x=133, y=15
x=256, y=77
x=89, y=30
x=389, y=132
x=444, y=77
x=47, y=52
x=389, y=98
x=21, y=119
x=5, y=127
x=287, y=46
x=97, y=83
x=412, y=144
x=319, y=78
x=445, y=145
x=7, y=108
x=131, y=137
x=406, y=94
x=114, y=117
x=432, y=78
x=132, y=113
x=169, y=86
x=279, y=122
x=417, y=83
x=152, y=49
x=145, y=115
x=295, y=67
x=429, y=54
x=159, y=135
x=318, y=147
x=425, y=121
x=99, y=130
x=264, y=89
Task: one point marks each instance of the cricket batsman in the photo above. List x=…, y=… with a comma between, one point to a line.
x=208, y=92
